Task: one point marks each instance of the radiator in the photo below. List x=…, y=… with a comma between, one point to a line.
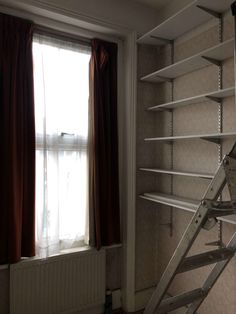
x=61, y=284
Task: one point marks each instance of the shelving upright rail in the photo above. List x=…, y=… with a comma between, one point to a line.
x=219, y=242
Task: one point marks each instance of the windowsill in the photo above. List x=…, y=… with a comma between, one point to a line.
x=113, y=246
x=3, y=267
x=82, y=249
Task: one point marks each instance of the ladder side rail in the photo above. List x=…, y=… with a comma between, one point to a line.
x=232, y=153
x=230, y=172
x=214, y=189
x=213, y=276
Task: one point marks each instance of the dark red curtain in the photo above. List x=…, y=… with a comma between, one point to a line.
x=17, y=154
x=104, y=136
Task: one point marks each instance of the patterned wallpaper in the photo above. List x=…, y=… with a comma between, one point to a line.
x=154, y=244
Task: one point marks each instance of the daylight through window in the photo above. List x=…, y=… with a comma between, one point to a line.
x=61, y=80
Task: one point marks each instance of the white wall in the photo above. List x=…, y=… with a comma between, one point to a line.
x=173, y=7
x=113, y=17
x=123, y=15
x=186, y=121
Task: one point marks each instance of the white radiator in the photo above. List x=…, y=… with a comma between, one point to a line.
x=61, y=284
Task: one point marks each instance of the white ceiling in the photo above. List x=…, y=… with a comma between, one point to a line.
x=156, y=4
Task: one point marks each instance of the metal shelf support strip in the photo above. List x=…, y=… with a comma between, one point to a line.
x=220, y=125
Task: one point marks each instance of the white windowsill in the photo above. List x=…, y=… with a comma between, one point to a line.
x=81, y=249
x=5, y=266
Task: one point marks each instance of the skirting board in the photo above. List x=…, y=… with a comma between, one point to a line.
x=142, y=297
x=94, y=310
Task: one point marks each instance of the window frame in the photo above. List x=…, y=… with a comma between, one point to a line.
x=65, y=141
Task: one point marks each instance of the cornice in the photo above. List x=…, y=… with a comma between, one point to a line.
x=80, y=19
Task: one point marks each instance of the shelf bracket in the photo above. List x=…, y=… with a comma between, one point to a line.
x=164, y=110
x=213, y=61
x=165, y=79
x=233, y=8
x=211, y=139
x=209, y=11
x=216, y=99
x=168, y=225
x=165, y=40
x=218, y=243
x=159, y=109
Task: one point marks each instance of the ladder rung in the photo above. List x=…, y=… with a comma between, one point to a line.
x=221, y=213
x=179, y=301
x=203, y=259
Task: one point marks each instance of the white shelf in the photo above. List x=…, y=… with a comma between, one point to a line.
x=209, y=137
x=172, y=200
x=180, y=173
x=220, y=94
x=219, y=52
x=230, y=219
x=182, y=203
x=192, y=16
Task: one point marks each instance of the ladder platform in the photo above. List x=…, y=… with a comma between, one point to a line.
x=204, y=259
x=180, y=300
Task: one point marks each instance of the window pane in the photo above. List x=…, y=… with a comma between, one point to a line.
x=61, y=78
x=61, y=90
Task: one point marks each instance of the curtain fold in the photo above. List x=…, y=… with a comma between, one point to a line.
x=17, y=155
x=104, y=178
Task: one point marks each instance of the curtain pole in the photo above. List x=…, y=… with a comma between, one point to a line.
x=62, y=35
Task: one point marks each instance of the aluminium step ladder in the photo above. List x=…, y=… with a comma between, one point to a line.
x=205, y=217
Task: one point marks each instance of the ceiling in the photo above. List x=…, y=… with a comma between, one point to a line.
x=156, y=4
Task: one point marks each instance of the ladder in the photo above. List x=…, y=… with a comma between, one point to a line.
x=205, y=217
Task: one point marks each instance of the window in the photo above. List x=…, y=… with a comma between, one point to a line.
x=61, y=80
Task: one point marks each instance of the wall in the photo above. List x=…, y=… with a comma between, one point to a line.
x=203, y=118
x=146, y=215
x=123, y=13
x=112, y=18
x=105, y=16
x=198, y=155
x=172, y=7
x=4, y=288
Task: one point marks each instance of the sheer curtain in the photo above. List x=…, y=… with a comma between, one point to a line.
x=61, y=80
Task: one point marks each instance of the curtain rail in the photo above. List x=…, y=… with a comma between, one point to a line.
x=62, y=35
